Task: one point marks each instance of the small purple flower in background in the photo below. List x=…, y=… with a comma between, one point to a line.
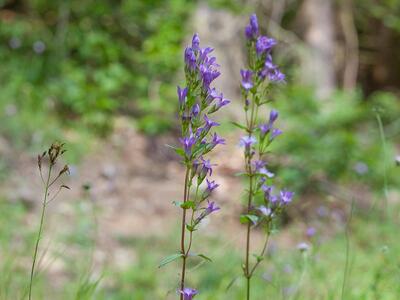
x=247, y=141
x=188, y=293
x=361, y=168
x=286, y=196
x=264, y=44
x=311, y=231
x=182, y=93
x=303, y=247
x=247, y=81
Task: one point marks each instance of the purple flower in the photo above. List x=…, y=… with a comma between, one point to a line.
x=208, y=74
x=182, y=93
x=251, y=30
x=273, y=115
x=211, y=207
x=217, y=140
x=190, y=58
x=311, y=231
x=286, y=196
x=276, y=76
x=264, y=171
x=264, y=44
x=265, y=128
x=271, y=70
x=206, y=167
x=258, y=164
x=247, y=82
x=209, y=123
x=303, y=247
x=188, y=143
x=196, y=42
x=268, y=193
x=275, y=133
x=211, y=185
x=247, y=141
x=266, y=211
x=220, y=102
x=188, y=293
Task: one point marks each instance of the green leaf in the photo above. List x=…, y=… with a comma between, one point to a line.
x=258, y=257
x=188, y=204
x=248, y=218
x=177, y=203
x=239, y=125
x=204, y=257
x=170, y=259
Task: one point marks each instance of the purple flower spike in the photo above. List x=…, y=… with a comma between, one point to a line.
x=286, y=196
x=211, y=207
x=247, y=141
x=196, y=42
x=188, y=293
x=251, y=30
x=264, y=44
x=211, y=185
x=182, y=93
x=188, y=143
x=216, y=140
x=247, y=82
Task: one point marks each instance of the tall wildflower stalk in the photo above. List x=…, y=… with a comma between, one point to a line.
x=50, y=192
x=197, y=102
x=257, y=79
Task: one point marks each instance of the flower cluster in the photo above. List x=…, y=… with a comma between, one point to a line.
x=197, y=102
x=256, y=80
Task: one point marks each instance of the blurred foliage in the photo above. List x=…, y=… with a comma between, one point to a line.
x=337, y=139
x=82, y=61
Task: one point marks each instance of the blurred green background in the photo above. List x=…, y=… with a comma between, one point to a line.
x=74, y=71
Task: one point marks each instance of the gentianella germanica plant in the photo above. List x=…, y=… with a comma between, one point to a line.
x=198, y=100
x=257, y=79
x=51, y=181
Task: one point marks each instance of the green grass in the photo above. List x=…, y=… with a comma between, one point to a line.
x=374, y=264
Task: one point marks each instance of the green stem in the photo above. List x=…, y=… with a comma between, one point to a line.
x=46, y=191
x=183, y=231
